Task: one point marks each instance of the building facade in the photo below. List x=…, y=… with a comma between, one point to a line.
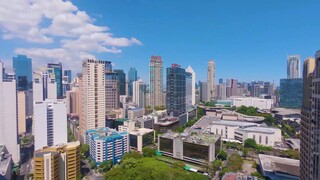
x=139, y=93
x=176, y=90
x=193, y=82
x=8, y=113
x=156, y=81
x=306, y=168
x=56, y=69
x=93, y=100
x=107, y=144
x=22, y=66
x=293, y=67
x=211, y=85
x=68, y=74
x=132, y=76
x=252, y=101
x=44, y=86
x=188, y=89
x=22, y=111
x=203, y=91
x=61, y=161
x=291, y=93
x=122, y=81
x=50, y=123
x=112, y=92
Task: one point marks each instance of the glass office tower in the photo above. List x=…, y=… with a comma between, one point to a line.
x=23, y=69
x=57, y=70
x=291, y=91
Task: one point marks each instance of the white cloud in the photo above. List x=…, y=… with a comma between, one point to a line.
x=47, y=21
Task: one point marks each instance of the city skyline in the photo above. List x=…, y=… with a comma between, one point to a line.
x=235, y=50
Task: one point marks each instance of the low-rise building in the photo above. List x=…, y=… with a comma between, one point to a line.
x=276, y=168
x=5, y=163
x=61, y=161
x=135, y=113
x=166, y=123
x=195, y=148
x=240, y=131
x=252, y=101
x=107, y=144
x=138, y=137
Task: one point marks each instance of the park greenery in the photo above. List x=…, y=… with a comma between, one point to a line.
x=210, y=103
x=222, y=155
x=252, y=144
x=234, y=164
x=148, y=152
x=291, y=153
x=252, y=111
x=232, y=145
x=157, y=108
x=134, y=166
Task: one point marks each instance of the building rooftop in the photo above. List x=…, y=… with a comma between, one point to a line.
x=5, y=163
x=41, y=153
x=260, y=129
x=293, y=143
x=105, y=134
x=279, y=165
x=122, y=119
x=203, y=139
x=232, y=123
x=285, y=111
x=141, y=131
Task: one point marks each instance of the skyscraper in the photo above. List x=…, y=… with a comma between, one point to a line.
x=68, y=73
x=211, y=74
x=291, y=91
x=188, y=89
x=307, y=127
x=22, y=66
x=156, y=81
x=193, y=87
x=56, y=69
x=22, y=103
x=122, y=81
x=203, y=91
x=293, y=67
x=221, y=92
x=112, y=91
x=132, y=76
x=8, y=113
x=93, y=88
x=44, y=86
x=50, y=123
x=139, y=93
x=176, y=90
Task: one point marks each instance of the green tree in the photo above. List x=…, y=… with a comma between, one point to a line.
x=250, y=143
x=148, y=152
x=85, y=149
x=105, y=166
x=245, y=152
x=222, y=155
x=132, y=154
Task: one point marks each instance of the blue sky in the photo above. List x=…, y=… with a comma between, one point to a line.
x=248, y=39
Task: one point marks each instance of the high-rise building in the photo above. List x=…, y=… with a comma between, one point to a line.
x=50, y=123
x=139, y=93
x=221, y=92
x=307, y=151
x=122, y=81
x=211, y=85
x=132, y=76
x=22, y=66
x=176, y=90
x=8, y=113
x=93, y=101
x=293, y=67
x=61, y=161
x=193, y=87
x=112, y=91
x=107, y=144
x=44, y=86
x=220, y=81
x=22, y=103
x=291, y=93
x=188, y=89
x=56, y=69
x=73, y=102
x=203, y=91
x=156, y=81
x=68, y=73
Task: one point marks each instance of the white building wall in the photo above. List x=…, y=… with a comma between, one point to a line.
x=255, y=102
x=190, y=70
x=8, y=117
x=58, y=118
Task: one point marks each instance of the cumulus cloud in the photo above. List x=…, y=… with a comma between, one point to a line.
x=60, y=23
